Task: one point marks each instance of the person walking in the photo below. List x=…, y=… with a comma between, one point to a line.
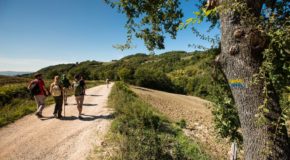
x=66, y=85
x=79, y=92
x=107, y=82
x=56, y=91
x=37, y=87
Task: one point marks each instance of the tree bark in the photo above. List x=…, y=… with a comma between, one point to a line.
x=240, y=59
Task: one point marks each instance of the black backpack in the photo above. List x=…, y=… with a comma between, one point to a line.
x=65, y=82
x=34, y=89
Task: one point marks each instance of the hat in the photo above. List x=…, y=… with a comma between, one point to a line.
x=37, y=75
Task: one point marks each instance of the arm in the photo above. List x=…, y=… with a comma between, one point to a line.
x=45, y=90
x=31, y=82
x=28, y=87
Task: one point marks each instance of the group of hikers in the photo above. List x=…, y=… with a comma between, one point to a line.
x=58, y=89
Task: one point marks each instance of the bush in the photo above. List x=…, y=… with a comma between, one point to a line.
x=182, y=123
x=125, y=74
x=153, y=79
x=11, y=91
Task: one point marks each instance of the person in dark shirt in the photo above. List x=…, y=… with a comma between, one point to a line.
x=79, y=92
x=66, y=85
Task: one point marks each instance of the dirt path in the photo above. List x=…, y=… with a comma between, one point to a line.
x=68, y=139
x=195, y=111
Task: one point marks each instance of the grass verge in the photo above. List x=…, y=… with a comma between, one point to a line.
x=142, y=133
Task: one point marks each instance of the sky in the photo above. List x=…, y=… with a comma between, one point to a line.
x=39, y=33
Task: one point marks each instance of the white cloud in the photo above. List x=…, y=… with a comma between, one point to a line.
x=26, y=64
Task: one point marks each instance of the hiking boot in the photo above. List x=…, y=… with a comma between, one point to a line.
x=54, y=115
x=59, y=116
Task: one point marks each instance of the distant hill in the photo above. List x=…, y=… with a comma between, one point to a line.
x=13, y=73
x=175, y=71
x=165, y=62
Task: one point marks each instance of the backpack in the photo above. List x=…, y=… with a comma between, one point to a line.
x=65, y=82
x=55, y=90
x=78, y=89
x=34, y=89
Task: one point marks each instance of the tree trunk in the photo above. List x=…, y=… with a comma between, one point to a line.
x=240, y=59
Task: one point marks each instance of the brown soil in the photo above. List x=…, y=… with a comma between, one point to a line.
x=69, y=138
x=197, y=114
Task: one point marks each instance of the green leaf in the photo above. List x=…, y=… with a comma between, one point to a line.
x=189, y=20
x=208, y=12
x=197, y=13
x=266, y=110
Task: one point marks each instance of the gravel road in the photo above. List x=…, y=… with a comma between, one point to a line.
x=70, y=138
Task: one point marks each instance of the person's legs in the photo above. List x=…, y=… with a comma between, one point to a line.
x=39, y=99
x=78, y=102
x=56, y=105
x=42, y=103
x=36, y=98
x=59, y=108
x=81, y=104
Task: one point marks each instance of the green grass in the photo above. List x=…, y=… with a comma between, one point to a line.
x=142, y=133
x=16, y=101
x=16, y=109
x=4, y=80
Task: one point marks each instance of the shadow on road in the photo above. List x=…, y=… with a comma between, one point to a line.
x=94, y=95
x=44, y=118
x=88, y=104
x=94, y=117
x=70, y=118
x=86, y=117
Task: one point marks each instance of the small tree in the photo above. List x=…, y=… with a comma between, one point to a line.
x=125, y=74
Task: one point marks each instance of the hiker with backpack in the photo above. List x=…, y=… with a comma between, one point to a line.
x=66, y=85
x=38, y=90
x=56, y=91
x=79, y=92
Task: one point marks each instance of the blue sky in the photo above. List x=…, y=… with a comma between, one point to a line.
x=38, y=33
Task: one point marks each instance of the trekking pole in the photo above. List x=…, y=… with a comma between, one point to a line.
x=63, y=103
